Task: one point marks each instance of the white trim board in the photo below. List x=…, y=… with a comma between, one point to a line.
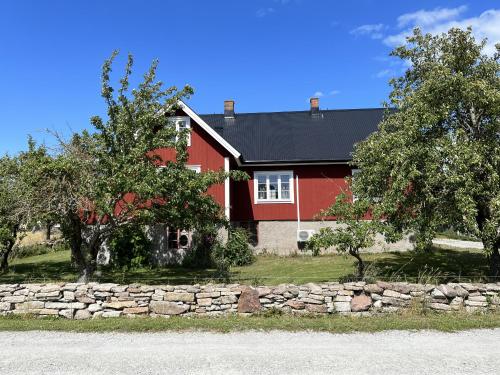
x=209, y=130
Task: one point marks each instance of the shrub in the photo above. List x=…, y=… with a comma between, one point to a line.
x=129, y=247
x=199, y=255
x=236, y=251
x=38, y=249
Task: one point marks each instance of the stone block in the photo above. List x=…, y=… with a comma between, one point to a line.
x=391, y=293
x=340, y=298
x=204, y=302
x=447, y=290
x=64, y=305
x=249, y=301
x=317, y=309
x=30, y=305
x=179, y=297
x=342, y=306
x=68, y=296
x=111, y=314
x=296, y=305
x=68, y=314
x=136, y=310
x=361, y=303
x=118, y=305
x=167, y=308
x=207, y=295
x=373, y=288
x=14, y=299
x=440, y=306
x=5, y=306
x=47, y=311
x=83, y=314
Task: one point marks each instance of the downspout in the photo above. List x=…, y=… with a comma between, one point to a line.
x=298, y=201
x=227, y=190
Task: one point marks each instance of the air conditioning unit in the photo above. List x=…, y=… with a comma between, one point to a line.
x=304, y=235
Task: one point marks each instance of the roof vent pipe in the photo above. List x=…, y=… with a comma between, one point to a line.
x=228, y=108
x=314, y=106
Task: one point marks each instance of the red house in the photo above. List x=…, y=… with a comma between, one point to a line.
x=297, y=162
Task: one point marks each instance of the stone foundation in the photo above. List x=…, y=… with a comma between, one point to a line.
x=85, y=301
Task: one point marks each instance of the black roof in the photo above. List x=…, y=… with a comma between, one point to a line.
x=296, y=136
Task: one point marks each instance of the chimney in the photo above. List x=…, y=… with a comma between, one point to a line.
x=314, y=106
x=228, y=108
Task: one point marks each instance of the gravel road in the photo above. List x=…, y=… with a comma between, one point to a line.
x=393, y=352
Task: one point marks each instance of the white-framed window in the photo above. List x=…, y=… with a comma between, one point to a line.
x=196, y=168
x=181, y=123
x=273, y=187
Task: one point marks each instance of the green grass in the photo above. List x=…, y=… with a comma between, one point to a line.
x=334, y=324
x=439, y=265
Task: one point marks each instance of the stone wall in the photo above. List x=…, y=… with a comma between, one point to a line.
x=84, y=301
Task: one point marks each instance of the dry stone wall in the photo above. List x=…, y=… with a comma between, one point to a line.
x=93, y=300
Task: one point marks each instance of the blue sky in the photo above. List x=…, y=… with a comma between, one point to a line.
x=268, y=55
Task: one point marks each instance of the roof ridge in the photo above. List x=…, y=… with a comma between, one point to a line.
x=306, y=111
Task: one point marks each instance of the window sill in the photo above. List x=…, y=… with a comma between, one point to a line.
x=275, y=202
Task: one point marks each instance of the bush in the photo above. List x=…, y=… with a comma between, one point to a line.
x=236, y=251
x=129, y=247
x=199, y=255
x=39, y=249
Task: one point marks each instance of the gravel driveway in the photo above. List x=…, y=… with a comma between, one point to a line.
x=394, y=352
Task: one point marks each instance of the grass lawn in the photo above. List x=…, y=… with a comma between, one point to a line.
x=440, y=265
x=333, y=324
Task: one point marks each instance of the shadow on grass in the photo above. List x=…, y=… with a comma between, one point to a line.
x=437, y=266
x=42, y=271
x=57, y=267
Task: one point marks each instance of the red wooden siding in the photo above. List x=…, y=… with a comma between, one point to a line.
x=318, y=187
x=204, y=151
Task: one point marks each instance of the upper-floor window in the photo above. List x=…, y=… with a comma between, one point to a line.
x=273, y=187
x=181, y=123
x=196, y=168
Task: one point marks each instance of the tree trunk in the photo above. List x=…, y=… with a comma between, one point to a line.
x=72, y=231
x=4, y=265
x=361, y=264
x=48, y=230
x=4, y=262
x=495, y=264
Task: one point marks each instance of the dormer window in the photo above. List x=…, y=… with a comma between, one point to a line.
x=182, y=123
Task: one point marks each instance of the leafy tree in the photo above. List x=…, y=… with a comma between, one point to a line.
x=435, y=160
x=353, y=233
x=10, y=201
x=110, y=178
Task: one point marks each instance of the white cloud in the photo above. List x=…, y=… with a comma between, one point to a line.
x=318, y=94
x=374, y=31
x=384, y=73
x=430, y=17
x=486, y=25
x=334, y=92
x=262, y=12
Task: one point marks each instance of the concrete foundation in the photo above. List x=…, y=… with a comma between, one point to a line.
x=280, y=237
x=271, y=237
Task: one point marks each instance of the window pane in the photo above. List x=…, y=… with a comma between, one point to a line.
x=262, y=191
x=285, y=193
x=273, y=186
x=285, y=186
x=181, y=124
